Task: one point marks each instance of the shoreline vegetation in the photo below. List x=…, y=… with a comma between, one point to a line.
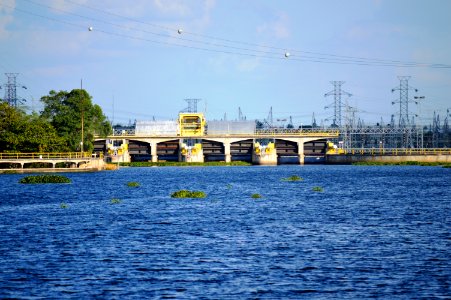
x=403, y=163
x=115, y=166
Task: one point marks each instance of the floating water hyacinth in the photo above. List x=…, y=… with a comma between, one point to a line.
x=256, y=196
x=188, y=194
x=133, y=184
x=293, y=178
x=317, y=189
x=34, y=179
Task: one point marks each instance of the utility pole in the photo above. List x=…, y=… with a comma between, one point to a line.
x=269, y=119
x=82, y=116
x=240, y=114
x=417, y=101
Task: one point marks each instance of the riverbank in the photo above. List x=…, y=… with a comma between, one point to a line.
x=341, y=159
x=403, y=163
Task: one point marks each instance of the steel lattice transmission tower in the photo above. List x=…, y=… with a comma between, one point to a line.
x=404, y=117
x=338, y=103
x=11, y=90
x=192, y=105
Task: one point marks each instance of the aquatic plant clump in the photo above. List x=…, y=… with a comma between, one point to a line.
x=317, y=189
x=33, y=179
x=188, y=194
x=256, y=196
x=64, y=205
x=133, y=184
x=115, y=201
x=293, y=178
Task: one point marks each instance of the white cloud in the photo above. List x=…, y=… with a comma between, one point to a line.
x=204, y=20
x=52, y=72
x=371, y=31
x=248, y=65
x=278, y=28
x=61, y=5
x=6, y=17
x=172, y=7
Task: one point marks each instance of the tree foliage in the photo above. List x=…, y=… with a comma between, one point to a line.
x=57, y=128
x=20, y=132
x=65, y=111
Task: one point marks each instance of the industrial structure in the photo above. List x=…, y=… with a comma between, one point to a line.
x=192, y=138
x=265, y=141
x=402, y=132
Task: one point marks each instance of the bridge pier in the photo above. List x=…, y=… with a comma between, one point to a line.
x=153, y=152
x=301, y=151
x=227, y=155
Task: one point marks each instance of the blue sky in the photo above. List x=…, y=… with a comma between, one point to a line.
x=230, y=54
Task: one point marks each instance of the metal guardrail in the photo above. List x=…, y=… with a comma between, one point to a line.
x=264, y=132
x=62, y=155
x=303, y=132
x=395, y=151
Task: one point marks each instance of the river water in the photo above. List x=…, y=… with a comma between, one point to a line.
x=373, y=232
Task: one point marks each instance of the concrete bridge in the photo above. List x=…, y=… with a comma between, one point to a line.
x=71, y=159
x=267, y=146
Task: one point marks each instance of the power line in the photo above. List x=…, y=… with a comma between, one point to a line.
x=252, y=44
x=319, y=58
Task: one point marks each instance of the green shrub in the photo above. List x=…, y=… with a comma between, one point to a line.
x=256, y=196
x=133, y=184
x=188, y=194
x=9, y=172
x=45, y=179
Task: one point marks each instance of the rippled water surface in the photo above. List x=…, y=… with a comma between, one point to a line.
x=373, y=232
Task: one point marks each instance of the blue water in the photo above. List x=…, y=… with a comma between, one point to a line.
x=374, y=232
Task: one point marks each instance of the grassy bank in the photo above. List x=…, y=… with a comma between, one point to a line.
x=403, y=163
x=183, y=164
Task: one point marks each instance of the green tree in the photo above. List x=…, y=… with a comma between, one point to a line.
x=20, y=132
x=66, y=110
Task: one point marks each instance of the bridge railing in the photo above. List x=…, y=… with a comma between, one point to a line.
x=264, y=132
x=50, y=155
x=303, y=132
x=397, y=151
